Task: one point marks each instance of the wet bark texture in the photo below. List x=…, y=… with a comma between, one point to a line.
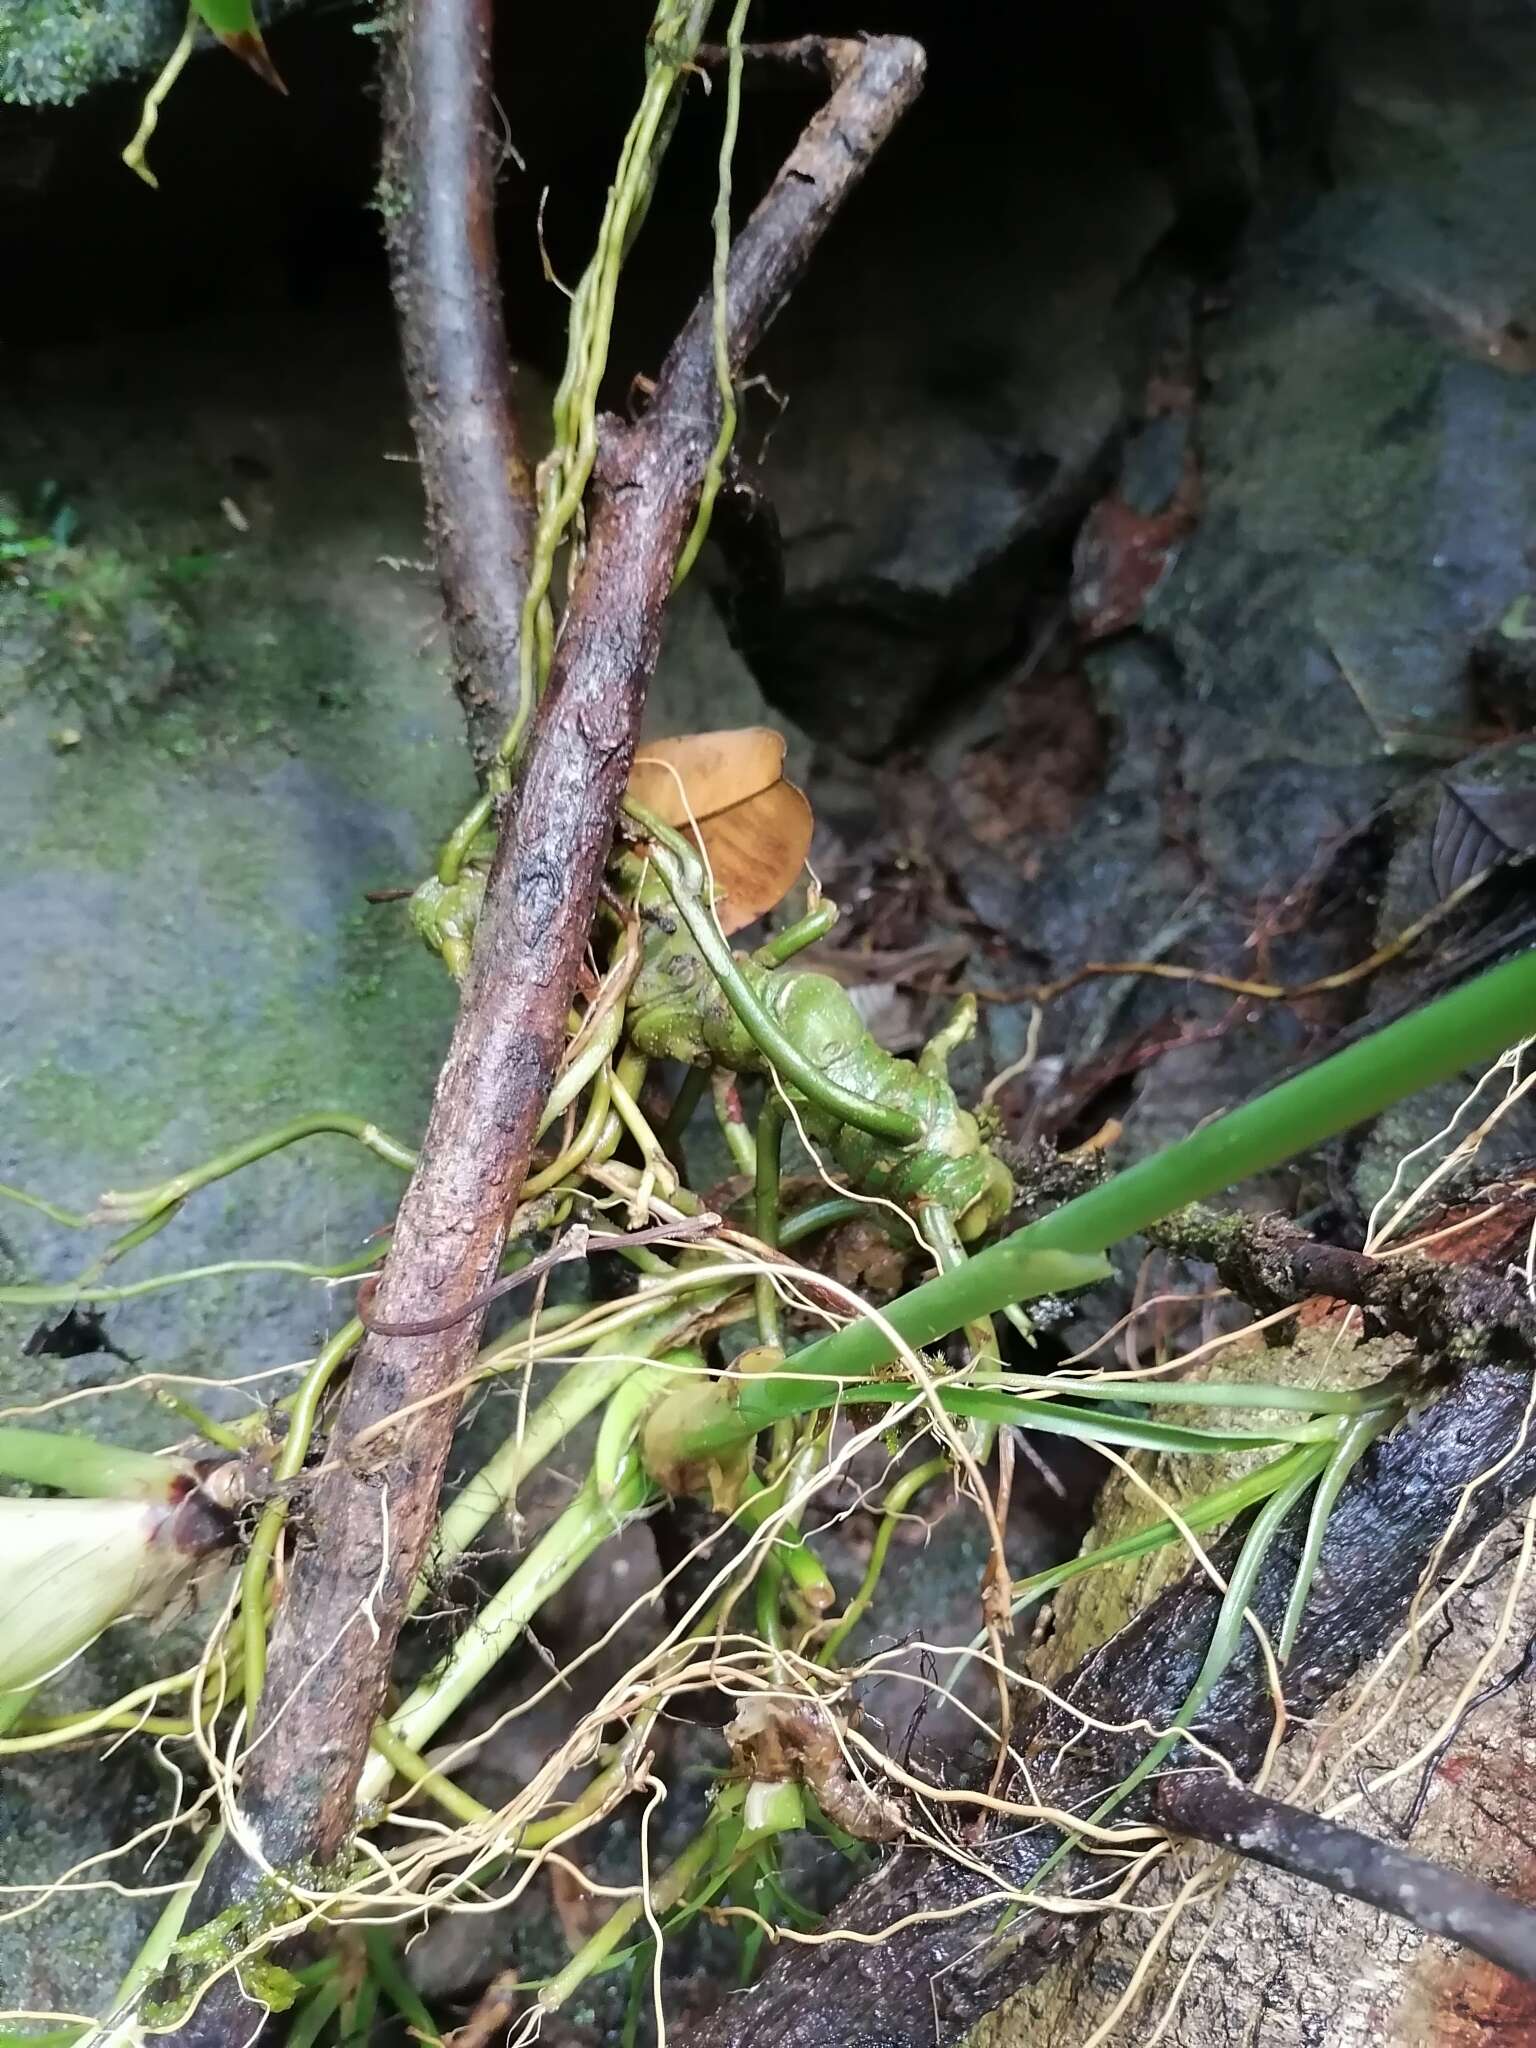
x=935, y=1978
x=367, y=1522
x=438, y=193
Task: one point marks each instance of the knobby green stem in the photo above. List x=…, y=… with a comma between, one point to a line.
x=881, y=1120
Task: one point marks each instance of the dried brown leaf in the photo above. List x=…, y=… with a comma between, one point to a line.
x=756, y=850
x=705, y=772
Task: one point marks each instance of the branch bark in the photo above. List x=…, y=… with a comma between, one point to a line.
x=932, y=1978
x=370, y=1514
x=438, y=193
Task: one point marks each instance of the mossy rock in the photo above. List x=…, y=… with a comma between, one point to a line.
x=52, y=54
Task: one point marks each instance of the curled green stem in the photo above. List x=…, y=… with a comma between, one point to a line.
x=881, y=1120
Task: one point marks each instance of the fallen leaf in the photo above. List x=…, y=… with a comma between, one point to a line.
x=699, y=773
x=727, y=790
x=1476, y=828
x=755, y=851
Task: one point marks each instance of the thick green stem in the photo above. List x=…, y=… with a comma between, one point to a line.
x=1458, y=1032
x=90, y=1470
x=557, y=1556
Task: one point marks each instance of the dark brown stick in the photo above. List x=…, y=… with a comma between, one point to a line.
x=1209, y=1808
x=370, y=1514
x=942, y=1967
x=438, y=195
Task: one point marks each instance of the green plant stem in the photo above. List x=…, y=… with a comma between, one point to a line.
x=1204, y=1511
x=715, y=468
x=881, y=1120
x=566, y=472
x=1457, y=1032
x=680, y=1115
x=1352, y=1446
x=739, y=1141
x=592, y=1056
x=805, y=931
x=315, y=2015
x=287, y=1465
x=38, y=1294
x=1230, y=1623
x=1383, y=1394
x=765, y=1212
x=144, y=1204
x=626, y=1411
x=666, y=1892
x=559, y=1553
x=898, y=1499
x=582, y=1145
x=70, y=1219
x=411, y=1765
x=609, y=1362
x=156, y=1952
x=738, y=1411
x=818, y=1216
x=81, y=1466
x=802, y=1567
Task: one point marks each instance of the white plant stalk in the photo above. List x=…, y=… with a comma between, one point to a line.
x=71, y=1568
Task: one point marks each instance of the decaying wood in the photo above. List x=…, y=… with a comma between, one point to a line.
x=443, y=151
x=369, y=1515
x=941, y=1968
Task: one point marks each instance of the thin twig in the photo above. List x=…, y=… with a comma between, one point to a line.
x=1209, y=1808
